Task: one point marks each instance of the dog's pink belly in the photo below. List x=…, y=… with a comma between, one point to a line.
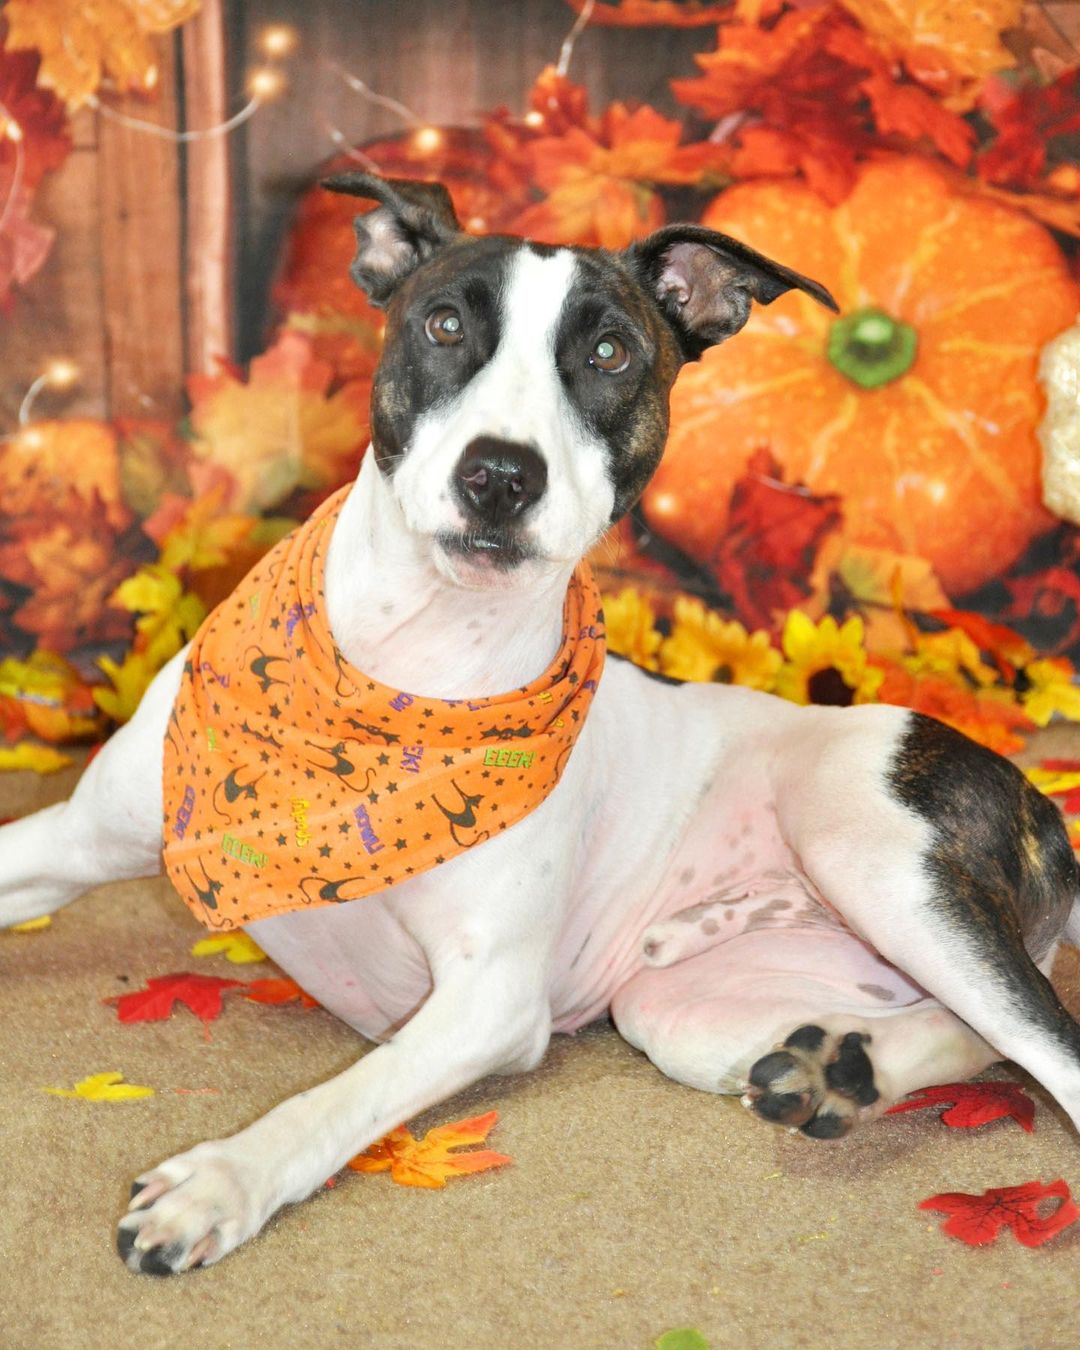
x=732, y=873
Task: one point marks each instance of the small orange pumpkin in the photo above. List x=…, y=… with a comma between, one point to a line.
x=918, y=405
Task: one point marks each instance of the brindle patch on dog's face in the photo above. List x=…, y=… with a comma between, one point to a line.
x=523, y=369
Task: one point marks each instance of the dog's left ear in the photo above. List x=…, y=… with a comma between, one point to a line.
x=704, y=282
x=413, y=222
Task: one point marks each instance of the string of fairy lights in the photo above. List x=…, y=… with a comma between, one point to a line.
x=275, y=43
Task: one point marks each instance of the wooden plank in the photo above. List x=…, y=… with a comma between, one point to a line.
x=208, y=196
x=140, y=215
x=59, y=312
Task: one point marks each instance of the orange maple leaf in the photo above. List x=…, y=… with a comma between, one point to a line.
x=948, y=48
x=600, y=185
x=428, y=1161
x=82, y=45
x=282, y=429
x=46, y=466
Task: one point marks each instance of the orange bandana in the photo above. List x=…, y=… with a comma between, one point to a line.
x=292, y=780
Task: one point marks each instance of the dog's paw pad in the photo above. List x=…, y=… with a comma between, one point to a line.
x=188, y=1212
x=815, y=1082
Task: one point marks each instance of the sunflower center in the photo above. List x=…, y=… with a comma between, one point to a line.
x=723, y=674
x=871, y=348
x=829, y=686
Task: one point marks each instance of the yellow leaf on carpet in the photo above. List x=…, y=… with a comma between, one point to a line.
x=103, y=1087
x=235, y=947
x=32, y=925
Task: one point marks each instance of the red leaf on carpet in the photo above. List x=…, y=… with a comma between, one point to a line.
x=978, y=1219
x=972, y=1104
x=199, y=993
x=277, y=991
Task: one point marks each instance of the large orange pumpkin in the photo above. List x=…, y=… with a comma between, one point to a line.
x=918, y=405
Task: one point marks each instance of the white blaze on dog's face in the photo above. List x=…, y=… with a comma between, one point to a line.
x=520, y=406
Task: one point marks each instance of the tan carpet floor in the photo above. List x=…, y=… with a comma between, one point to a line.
x=633, y=1205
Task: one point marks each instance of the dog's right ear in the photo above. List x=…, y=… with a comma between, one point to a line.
x=414, y=221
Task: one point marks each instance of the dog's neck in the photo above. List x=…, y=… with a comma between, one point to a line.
x=396, y=618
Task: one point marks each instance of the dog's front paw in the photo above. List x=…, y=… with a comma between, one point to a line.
x=188, y=1212
x=815, y=1082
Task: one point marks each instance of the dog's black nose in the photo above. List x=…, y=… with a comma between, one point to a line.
x=499, y=480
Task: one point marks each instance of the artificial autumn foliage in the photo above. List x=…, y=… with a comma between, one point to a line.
x=978, y=1219
x=200, y=994
x=429, y=1161
x=972, y=1104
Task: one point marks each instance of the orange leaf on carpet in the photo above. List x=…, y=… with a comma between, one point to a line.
x=427, y=1161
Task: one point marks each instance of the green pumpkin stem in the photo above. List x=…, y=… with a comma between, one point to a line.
x=871, y=348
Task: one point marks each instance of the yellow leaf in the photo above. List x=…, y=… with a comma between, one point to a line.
x=949, y=47
x=38, y=758
x=31, y=925
x=83, y=44
x=103, y=1087
x=428, y=1162
x=1053, y=782
x=235, y=947
x=281, y=430
x=130, y=681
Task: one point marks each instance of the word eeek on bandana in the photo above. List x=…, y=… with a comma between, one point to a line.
x=292, y=780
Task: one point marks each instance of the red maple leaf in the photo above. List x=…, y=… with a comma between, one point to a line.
x=774, y=531
x=978, y=1219
x=974, y=1103
x=200, y=993
x=277, y=991
x=1026, y=125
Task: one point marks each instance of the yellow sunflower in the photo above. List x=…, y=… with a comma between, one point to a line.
x=704, y=647
x=949, y=653
x=631, y=627
x=826, y=663
x=1050, y=688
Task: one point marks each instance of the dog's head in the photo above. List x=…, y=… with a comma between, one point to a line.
x=521, y=403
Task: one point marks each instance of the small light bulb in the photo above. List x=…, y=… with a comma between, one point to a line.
x=150, y=79
x=428, y=139
x=61, y=373
x=266, y=84
x=13, y=131
x=534, y=118
x=32, y=439
x=277, y=40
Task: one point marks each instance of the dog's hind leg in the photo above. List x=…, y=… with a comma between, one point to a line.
x=943, y=858
x=108, y=830
x=811, y=1027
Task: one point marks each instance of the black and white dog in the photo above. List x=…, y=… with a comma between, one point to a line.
x=820, y=909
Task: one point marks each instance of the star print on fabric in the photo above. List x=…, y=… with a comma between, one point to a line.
x=334, y=803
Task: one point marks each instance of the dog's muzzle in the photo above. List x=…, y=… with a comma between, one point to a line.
x=497, y=481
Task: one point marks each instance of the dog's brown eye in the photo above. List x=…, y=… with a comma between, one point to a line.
x=609, y=355
x=444, y=326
